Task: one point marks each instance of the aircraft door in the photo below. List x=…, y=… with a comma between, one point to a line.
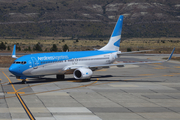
x=35, y=62
x=75, y=61
x=112, y=57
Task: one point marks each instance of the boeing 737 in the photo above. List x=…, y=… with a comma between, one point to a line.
x=81, y=63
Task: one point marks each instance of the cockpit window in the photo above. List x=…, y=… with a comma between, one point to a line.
x=19, y=62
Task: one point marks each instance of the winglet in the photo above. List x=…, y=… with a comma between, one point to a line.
x=171, y=55
x=14, y=52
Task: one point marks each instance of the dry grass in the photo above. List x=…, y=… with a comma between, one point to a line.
x=160, y=45
x=173, y=58
x=6, y=61
x=47, y=43
x=176, y=58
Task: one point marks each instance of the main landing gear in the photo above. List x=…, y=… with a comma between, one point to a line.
x=24, y=81
x=60, y=77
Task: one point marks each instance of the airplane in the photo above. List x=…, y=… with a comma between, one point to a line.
x=79, y=63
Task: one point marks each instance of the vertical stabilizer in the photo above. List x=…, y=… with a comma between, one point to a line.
x=14, y=52
x=114, y=41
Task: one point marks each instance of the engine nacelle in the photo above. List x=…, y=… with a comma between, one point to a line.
x=82, y=73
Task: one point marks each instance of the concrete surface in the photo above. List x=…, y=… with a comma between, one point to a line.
x=144, y=92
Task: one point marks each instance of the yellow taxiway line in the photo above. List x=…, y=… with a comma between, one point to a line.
x=20, y=99
x=10, y=82
x=15, y=92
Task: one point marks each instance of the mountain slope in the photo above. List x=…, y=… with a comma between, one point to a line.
x=89, y=18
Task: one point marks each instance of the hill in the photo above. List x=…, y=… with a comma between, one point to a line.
x=89, y=18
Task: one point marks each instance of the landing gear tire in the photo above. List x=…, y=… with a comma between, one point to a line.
x=86, y=80
x=24, y=81
x=60, y=77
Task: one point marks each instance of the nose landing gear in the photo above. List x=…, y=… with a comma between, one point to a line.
x=24, y=80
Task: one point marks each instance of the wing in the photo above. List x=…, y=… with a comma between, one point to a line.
x=68, y=68
x=74, y=67
x=131, y=63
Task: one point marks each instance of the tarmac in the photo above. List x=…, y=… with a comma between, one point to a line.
x=132, y=92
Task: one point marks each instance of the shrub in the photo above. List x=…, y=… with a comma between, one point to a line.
x=37, y=47
x=18, y=48
x=54, y=48
x=9, y=48
x=65, y=48
x=129, y=50
x=2, y=46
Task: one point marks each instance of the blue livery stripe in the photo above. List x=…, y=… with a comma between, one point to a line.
x=118, y=27
x=117, y=43
x=64, y=55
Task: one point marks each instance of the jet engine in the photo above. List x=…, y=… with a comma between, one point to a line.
x=82, y=73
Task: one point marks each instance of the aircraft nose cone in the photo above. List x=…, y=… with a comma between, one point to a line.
x=13, y=69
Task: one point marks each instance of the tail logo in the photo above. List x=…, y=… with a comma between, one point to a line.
x=117, y=43
x=115, y=39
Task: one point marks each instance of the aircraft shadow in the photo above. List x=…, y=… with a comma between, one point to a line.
x=141, y=80
x=109, y=80
x=94, y=78
x=38, y=80
x=106, y=76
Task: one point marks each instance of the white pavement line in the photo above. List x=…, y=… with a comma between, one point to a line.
x=45, y=118
x=1, y=94
x=68, y=110
x=39, y=109
x=124, y=86
x=53, y=94
x=19, y=119
x=16, y=110
x=4, y=110
x=76, y=117
x=21, y=110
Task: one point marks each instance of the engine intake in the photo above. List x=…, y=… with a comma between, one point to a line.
x=82, y=73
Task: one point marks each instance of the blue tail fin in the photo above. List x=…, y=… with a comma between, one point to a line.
x=14, y=52
x=114, y=41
